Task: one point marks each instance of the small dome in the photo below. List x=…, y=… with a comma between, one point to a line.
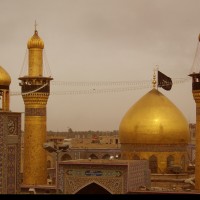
x=35, y=42
x=4, y=77
x=154, y=119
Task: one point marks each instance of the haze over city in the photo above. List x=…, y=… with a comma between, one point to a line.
x=105, y=41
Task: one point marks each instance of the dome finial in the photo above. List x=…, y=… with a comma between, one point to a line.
x=35, y=26
x=35, y=41
x=154, y=82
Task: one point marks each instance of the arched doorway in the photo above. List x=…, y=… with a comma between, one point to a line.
x=93, y=156
x=183, y=162
x=66, y=157
x=170, y=163
x=93, y=188
x=136, y=157
x=153, y=164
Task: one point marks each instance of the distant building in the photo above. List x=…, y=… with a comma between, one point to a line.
x=82, y=148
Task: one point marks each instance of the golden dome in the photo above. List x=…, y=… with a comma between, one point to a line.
x=4, y=77
x=154, y=119
x=35, y=42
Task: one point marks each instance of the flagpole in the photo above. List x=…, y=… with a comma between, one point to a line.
x=156, y=72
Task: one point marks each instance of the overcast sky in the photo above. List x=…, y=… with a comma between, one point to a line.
x=102, y=40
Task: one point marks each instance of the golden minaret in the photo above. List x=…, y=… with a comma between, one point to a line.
x=35, y=90
x=196, y=94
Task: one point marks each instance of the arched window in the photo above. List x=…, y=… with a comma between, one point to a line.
x=136, y=157
x=153, y=164
x=183, y=162
x=170, y=161
x=66, y=157
x=93, y=156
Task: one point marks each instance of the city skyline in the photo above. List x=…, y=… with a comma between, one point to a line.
x=91, y=41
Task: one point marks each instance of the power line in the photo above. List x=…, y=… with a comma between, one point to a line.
x=125, y=86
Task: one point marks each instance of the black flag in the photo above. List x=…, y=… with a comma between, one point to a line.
x=164, y=81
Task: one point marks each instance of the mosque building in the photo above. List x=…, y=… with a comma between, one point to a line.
x=153, y=134
x=10, y=140
x=153, y=129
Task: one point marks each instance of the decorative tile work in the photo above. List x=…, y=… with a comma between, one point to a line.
x=10, y=153
x=18, y=153
x=35, y=98
x=83, y=172
x=1, y=154
x=12, y=125
x=11, y=169
x=153, y=148
x=73, y=178
x=61, y=177
x=35, y=111
x=138, y=175
x=112, y=185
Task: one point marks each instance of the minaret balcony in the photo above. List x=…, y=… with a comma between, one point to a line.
x=35, y=84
